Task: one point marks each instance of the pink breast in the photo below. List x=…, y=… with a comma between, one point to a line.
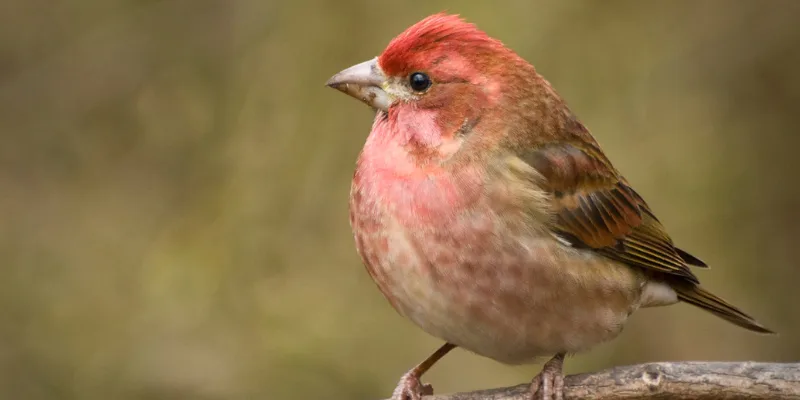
x=417, y=259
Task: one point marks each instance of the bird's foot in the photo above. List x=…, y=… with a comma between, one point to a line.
x=410, y=388
x=549, y=384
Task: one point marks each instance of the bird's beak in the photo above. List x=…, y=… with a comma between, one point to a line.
x=365, y=82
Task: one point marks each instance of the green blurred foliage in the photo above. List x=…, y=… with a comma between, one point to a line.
x=174, y=179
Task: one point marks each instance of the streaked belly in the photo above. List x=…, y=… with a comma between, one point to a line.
x=494, y=289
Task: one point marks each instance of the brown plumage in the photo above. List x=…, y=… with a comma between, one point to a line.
x=597, y=210
x=488, y=215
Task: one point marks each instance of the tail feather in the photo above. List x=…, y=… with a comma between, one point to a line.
x=697, y=296
x=690, y=259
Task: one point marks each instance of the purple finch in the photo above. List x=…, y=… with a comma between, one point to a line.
x=488, y=215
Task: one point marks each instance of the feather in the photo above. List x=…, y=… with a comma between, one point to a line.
x=595, y=206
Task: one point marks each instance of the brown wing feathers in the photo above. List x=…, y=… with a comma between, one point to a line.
x=597, y=209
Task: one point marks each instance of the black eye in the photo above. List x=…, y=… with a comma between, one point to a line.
x=419, y=81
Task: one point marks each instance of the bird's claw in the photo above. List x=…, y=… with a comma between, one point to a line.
x=410, y=388
x=549, y=384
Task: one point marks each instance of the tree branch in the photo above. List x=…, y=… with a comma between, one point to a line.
x=667, y=381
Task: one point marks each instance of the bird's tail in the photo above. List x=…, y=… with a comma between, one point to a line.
x=697, y=296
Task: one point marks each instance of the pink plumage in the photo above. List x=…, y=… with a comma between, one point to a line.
x=488, y=215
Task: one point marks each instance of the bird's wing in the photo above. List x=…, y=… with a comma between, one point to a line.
x=595, y=208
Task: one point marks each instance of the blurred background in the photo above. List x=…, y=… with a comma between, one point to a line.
x=174, y=180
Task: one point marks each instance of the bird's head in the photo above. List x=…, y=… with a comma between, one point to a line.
x=439, y=77
x=437, y=57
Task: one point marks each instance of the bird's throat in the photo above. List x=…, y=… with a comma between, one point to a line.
x=388, y=178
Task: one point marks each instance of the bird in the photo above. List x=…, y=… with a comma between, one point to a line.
x=488, y=214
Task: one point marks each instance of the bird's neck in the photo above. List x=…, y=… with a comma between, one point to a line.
x=390, y=176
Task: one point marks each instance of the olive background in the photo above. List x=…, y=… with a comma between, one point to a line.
x=174, y=178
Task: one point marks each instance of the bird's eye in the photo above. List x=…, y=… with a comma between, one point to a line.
x=419, y=81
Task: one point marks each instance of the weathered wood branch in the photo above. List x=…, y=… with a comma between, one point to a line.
x=667, y=381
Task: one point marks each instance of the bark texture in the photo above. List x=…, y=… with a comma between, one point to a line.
x=667, y=381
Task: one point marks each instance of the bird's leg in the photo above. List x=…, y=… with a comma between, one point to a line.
x=410, y=387
x=549, y=384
